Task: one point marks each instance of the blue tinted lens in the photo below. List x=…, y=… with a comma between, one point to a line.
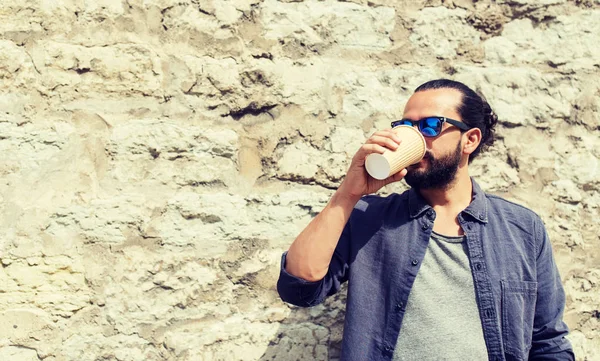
x=430, y=127
x=428, y=132
x=401, y=122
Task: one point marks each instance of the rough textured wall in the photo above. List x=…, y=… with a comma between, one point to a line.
x=159, y=155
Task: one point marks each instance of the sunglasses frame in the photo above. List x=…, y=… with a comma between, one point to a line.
x=442, y=120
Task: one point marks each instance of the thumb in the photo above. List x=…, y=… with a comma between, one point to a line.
x=396, y=177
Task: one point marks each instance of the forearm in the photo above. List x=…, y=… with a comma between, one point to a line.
x=310, y=253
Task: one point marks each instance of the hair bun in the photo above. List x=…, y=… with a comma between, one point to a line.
x=490, y=119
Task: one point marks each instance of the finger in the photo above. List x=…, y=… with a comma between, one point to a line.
x=396, y=177
x=389, y=133
x=383, y=141
x=401, y=174
x=372, y=148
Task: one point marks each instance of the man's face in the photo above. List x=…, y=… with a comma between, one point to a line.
x=439, y=173
x=444, y=153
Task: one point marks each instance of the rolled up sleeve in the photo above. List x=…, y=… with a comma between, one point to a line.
x=303, y=293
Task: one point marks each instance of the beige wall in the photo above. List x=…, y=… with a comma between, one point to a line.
x=159, y=155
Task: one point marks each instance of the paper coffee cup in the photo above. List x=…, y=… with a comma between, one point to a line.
x=410, y=151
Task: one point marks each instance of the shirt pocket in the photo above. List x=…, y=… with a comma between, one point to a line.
x=518, y=311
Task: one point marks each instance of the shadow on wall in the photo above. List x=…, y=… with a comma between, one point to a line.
x=310, y=333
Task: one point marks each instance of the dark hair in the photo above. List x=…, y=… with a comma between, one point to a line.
x=474, y=110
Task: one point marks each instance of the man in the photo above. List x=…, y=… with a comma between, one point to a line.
x=442, y=271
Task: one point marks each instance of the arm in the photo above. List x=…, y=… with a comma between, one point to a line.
x=310, y=254
x=312, y=268
x=549, y=330
x=311, y=289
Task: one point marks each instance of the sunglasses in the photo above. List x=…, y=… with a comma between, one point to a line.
x=430, y=126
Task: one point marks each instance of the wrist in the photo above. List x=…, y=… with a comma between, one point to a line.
x=344, y=200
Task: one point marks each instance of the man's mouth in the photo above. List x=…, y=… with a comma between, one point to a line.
x=418, y=164
x=421, y=162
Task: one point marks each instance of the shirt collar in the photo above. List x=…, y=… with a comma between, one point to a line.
x=477, y=209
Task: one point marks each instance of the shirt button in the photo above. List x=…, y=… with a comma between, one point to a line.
x=388, y=349
x=415, y=262
x=425, y=227
x=478, y=266
x=482, y=217
x=399, y=306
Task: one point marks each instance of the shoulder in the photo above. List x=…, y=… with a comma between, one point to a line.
x=372, y=211
x=375, y=207
x=504, y=208
x=376, y=203
x=499, y=203
x=517, y=219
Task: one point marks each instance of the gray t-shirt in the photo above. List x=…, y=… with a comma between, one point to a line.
x=442, y=319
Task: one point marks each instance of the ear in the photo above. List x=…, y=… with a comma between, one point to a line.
x=471, y=140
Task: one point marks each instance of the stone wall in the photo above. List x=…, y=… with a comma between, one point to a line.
x=159, y=155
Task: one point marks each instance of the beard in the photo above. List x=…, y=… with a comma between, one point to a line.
x=439, y=175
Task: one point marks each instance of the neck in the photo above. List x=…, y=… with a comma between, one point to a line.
x=456, y=195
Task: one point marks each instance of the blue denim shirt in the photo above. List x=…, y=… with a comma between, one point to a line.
x=517, y=285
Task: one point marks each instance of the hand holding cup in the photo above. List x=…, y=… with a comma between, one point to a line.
x=410, y=151
x=358, y=182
